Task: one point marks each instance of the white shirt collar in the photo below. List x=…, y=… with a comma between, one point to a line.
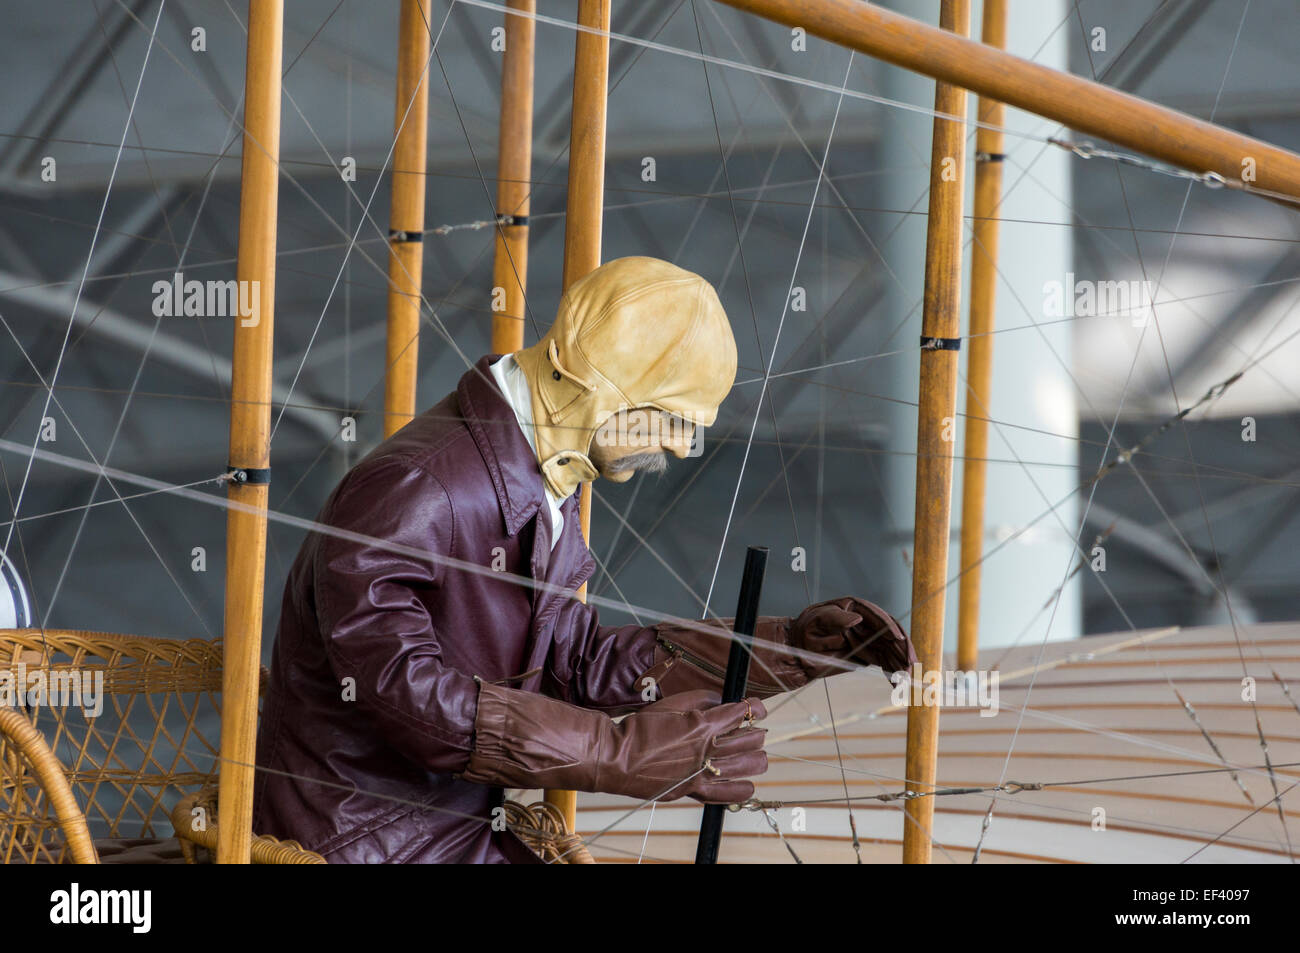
x=513, y=383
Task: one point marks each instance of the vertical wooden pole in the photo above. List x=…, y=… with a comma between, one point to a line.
x=250, y=430
x=585, y=210
x=406, y=220
x=936, y=423
x=514, y=173
x=586, y=196
x=979, y=358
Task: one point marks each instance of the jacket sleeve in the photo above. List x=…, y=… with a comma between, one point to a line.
x=370, y=604
x=621, y=668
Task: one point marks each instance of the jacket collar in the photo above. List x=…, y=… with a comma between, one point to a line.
x=510, y=460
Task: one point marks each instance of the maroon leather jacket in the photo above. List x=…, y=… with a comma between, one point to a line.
x=371, y=705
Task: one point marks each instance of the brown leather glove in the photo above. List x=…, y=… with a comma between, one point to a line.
x=525, y=740
x=853, y=630
x=848, y=628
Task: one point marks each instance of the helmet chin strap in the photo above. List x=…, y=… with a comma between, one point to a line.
x=562, y=472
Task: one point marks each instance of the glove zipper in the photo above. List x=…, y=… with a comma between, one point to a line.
x=680, y=653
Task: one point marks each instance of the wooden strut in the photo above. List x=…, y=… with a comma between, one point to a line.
x=406, y=219
x=585, y=208
x=514, y=180
x=936, y=417
x=979, y=357
x=1081, y=104
x=250, y=430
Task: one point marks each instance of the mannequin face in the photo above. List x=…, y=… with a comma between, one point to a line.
x=638, y=439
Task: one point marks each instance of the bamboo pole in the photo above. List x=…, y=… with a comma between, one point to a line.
x=936, y=415
x=586, y=195
x=979, y=358
x=250, y=430
x=1081, y=104
x=514, y=171
x=585, y=208
x=406, y=219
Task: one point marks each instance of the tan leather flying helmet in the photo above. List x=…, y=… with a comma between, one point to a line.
x=636, y=332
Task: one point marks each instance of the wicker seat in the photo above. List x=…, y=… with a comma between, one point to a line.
x=95, y=789
x=542, y=827
x=84, y=787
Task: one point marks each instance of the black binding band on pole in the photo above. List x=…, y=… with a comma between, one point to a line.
x=734, y=684
x=257, y=476
x=399, y=236
x=940, y=344
x=508, y=220
x=990, y=156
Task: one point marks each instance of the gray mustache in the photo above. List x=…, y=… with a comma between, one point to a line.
x=650, y=461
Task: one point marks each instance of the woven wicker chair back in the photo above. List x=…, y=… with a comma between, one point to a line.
x=134, y=721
